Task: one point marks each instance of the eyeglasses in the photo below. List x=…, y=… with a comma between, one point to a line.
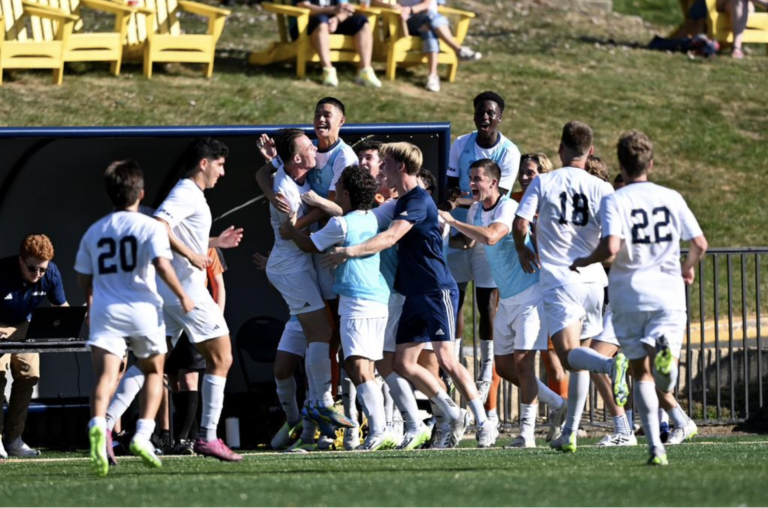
x=36, y=269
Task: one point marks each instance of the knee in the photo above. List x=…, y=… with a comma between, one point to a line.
x=401, y=367
x=282, y=371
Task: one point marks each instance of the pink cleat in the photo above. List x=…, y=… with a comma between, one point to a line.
x=216, y=449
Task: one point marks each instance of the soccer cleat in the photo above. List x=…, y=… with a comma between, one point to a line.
x=619, y=379
x=664, y=359
x=323, y=424
x=99, y=461
x=302, y=446
x=466, y=53
x=664, y=431
x=334, y=417
x=325, y=443
x=413, y=440
x=283, y=437
x=565, y=443
x=441, y=436
x=433, y=83
x=381, y=442
x=680, y=434
x=458, y=428
x=111, y=450
x=3, y=453
x=329, y=77
x=521, y=442
x=367, y=77
x=658, y=460
x=351, y=439
x=487, y=434
x=216, y=449
x=184, y=447
x=618, y=440
x=18, y=448
x=483, y=388
x=144, y=449
x=556, y=421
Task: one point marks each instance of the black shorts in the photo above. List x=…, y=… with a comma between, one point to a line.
x=185, y=356
x=349, y=26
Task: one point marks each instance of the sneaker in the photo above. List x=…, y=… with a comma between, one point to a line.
x=458, y=428
x=565, y=443
x=184, y=447
x=144, y=449
x=483, y=388
x=302, y=446
x=521, y=442
x=283, y=437
x=664, y=359
x=466, y=53
x=556, y=421
x=111, y=450
x=413, y=440
x=18, y=448
x=331, y=415
x=367, y=77
x=329, y=77
x=396, y=429
x=326, y=443
x=351, y=439
x=737, y=54
x=3, y=453
x=324, y=425
x=658, y=460
x=664, y=431
x=680, y=434
x=433, y=83
x=382, y=441
x=619, y=379
x=99, y=460
x=165, y=444
x=487, y=434
x=441, y=437
x=618, y=440
x=494, y=419
x=216, y=449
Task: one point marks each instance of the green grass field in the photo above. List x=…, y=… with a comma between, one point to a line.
x=707, y=472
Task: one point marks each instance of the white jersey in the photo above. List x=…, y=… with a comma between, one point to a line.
x=286, y=257
x=118, y=251
x=502, y=212
x=504, y=152
x=187, y=213
x=568, y=203
x=651, y=219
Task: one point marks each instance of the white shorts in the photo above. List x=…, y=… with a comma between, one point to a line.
x=608, y=335
x=143, y=346
x=300, y=291
x=519, y=326
x=325, y=277
x=636, y=329
x=396, y=301
x=471, y=264
x=204, y=322
x=293, y=339
x=363, y=337
x=568, y=304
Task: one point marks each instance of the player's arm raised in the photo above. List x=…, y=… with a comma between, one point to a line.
x=166, y=272
x=199, y=261
x=696, y=251
x=378, y=243
x=486, y=235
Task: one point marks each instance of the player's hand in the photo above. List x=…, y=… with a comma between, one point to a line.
x=200, y=261
x=311, y=198
x=577, y=263
x=529, y=260
x=187, y=304
x=452, y=195
x=230, y=238
x=689, y=275
x=287, y=226
x=260, y=261
x=447, y=217
x=334, y=257
x=280, y=203
x=266, y=146
x=3, y=335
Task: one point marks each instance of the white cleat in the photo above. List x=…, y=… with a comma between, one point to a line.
x=18, y=448
x=483, y=389
x=283, y=437
x=680, y=434
x=521, y=442
x=351, y=439
x=487, y=434
x=618, y=440
x=441, y=438
x=458, y=428
x=556, y=421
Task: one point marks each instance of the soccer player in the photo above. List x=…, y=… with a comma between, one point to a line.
x=519, y=332
x=568, y=203
x=643, y=224
x=431, y=295
x=116, y=266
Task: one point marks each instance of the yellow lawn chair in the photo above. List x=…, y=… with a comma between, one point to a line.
x=20, y=50
x=719, y=26
x=343, y=48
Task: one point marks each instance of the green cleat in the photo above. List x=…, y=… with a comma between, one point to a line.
x=664, y=359
x=302, y=446
x=380, y=442
x=145, y=450
x=619, y=379
x=658, y=460
x=99, y=460
x=415, y=440
x=566, y=443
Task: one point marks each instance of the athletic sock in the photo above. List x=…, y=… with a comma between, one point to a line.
x=476, y=406
x=663, y=416
x=584, y=358
x=667, y=383
x=647, y=406
x=213, y=402
x=492, y=414
x=129, y=388
x=308, y=429
x=319, y=365
x=144, y=429
x=286, y=393
x=186, y=404
x=402, y=393
x=528, y=420
x=631, y=419
x=578, y=389
x=457, y=348
x=437, y=413
x=486, y=360
x=97, y=421
x=678, y=416
x=348, y=396
x=449, y=407
x=621, y=425
x=548, y=397
x=370, y=396
x=389, y=404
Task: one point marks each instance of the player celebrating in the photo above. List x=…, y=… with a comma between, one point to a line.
x=568, y=202
x=116, y=266
x=643, y=224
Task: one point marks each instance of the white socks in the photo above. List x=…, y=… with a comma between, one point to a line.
x=318, y=366
x=348, y=396
x=584, y=358
x=448, y=406
x=476, y=405
x=621, y=425
x=402, y=393
x=486, y=360
x=647, y=406
x=286, y=393
x=129, y=388
x=528, y=420
x=666, y=383
x=370, y=396
x=389, y=403
x=97, y=421
x=578, y=389
x=548, y=397
x=213, y=402
x=679, y=418
x=663, y=416
x=144, y=429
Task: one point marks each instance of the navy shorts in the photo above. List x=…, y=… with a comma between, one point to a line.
x=349, y=26
x=429, y=317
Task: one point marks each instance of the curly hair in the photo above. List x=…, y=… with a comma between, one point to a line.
x=361, y=187
x=597, y=167
x=36, y=246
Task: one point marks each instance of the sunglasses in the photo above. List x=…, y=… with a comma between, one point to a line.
x=35, y=269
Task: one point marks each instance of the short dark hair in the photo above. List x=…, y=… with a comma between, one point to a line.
x=635, y=152
x=285, y=144
x=361, y=187
x=368, y=144
x=430, y=182
x=577, y=136
x=332, y=101
x=124, y=181
x=489, y=166
x=489, y=96
x=204, y=148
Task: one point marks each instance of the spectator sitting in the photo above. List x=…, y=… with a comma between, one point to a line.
x=24, y=281
x=338, y=17
x=739, y=11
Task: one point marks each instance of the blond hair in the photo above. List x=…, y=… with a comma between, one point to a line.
x=543, y=164
x=597, y=167
x=405, y=153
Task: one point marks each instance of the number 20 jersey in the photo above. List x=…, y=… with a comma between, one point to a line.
x=568, y=203
x=118, y=251
x=651, y=220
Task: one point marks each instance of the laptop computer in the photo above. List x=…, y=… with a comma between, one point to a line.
x=56, y=324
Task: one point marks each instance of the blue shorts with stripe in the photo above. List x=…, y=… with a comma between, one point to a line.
x=429, y=317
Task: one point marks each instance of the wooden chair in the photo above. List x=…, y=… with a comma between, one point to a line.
x=719, y=26
x=343, y=48
x=154, y=34
x=41, y=49
x=85, y=46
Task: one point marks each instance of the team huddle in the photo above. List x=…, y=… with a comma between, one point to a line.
x=371, y=269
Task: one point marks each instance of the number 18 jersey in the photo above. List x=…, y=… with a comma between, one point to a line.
x=568, y=203
x=118, y=251
x=651, y=220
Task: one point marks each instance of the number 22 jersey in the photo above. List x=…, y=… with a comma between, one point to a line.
x=118, y=251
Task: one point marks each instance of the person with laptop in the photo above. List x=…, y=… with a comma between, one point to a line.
x=25, y=281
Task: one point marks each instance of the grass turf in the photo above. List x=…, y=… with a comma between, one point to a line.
x=708, y=472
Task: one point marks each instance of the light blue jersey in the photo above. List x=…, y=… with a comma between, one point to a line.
x=361, y=278
x=330, y=164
